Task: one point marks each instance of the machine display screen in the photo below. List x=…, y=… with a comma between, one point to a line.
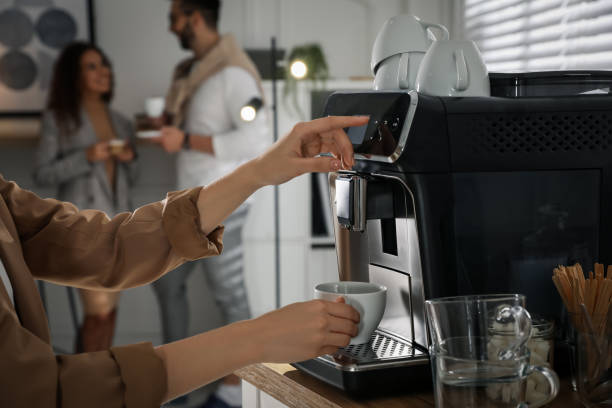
x=357, y=134
x=387, y=112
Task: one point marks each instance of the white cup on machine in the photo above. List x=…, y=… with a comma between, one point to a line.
x=398, y=50
x=369, y=299
x=453, y=68
x=154, y=107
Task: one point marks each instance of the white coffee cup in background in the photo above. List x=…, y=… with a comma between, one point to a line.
x=453, y=68
x=369, y=299
x=398, y=50
x=117, y=146
x=154, y=107
x=398, y=71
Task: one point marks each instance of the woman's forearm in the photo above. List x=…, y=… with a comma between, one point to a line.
x=219, y=199
x=290, y=157
x=296, y=332
x=204, y=358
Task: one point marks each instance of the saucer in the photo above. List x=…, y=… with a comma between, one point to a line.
x=148, y=134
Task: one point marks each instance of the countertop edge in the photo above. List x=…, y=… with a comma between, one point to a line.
x=282, y=388
x=297, y=390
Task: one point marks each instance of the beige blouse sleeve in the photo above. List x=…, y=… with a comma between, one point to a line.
x=33, y=376
x=89, y=250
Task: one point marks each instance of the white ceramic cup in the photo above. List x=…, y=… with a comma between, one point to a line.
x=398, y=50
x=154, y=107
x=369, y=299
x=453, y=68
x=398, y=71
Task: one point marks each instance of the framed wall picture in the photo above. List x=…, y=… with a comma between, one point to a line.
x=32, y=33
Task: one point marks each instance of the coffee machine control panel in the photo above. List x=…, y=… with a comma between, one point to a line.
x=384, y=137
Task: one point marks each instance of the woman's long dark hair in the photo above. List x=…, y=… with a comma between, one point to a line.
x=65, y=94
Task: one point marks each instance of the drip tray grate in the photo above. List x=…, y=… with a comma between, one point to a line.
x=382, y=347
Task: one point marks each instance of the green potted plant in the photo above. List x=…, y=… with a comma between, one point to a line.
x=305, y=63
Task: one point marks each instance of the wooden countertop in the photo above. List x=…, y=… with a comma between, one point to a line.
x=296, y=389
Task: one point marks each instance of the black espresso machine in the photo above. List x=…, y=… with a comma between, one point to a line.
x=478, y=195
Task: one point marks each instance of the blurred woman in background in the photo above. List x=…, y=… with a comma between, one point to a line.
x=85, y=150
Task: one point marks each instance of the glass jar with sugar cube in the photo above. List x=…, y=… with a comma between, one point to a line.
x=541, y=347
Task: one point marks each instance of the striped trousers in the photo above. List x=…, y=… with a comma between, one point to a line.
x=224, y=275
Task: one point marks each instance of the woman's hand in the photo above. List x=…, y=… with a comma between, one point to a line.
x=295, y=153
x=294, y=333
x=305, y=330
x=289, y=157
x=126, y=155
x=98, y=152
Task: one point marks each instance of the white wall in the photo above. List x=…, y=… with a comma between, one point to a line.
x=346, y=29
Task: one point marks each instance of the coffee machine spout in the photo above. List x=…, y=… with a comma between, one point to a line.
x=348, y=193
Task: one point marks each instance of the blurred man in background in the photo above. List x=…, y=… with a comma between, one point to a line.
x=212, y=138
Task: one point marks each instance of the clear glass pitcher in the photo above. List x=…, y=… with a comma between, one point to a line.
x=471, y=365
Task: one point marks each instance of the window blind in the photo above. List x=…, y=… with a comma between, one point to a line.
x=541, y=35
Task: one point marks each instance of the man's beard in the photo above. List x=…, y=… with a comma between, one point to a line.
x=186, y=37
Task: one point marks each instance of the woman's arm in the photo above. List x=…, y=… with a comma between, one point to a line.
x=108, y=253
x=288, y=158
x=87, y=249
x=294, y=333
